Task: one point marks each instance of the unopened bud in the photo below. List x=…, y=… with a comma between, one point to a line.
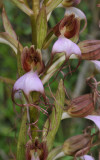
x=81, y=106
x=90, y=49
x=76, y=143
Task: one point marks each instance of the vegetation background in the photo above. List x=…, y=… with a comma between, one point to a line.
x=75, y=84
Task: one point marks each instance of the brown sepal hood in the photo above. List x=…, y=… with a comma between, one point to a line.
x=40, y=149
x=77, y=143
x=90, y=49
x=69, y=26
x=32, y=59
x=81, y=106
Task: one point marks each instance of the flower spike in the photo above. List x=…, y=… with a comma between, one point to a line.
x=67, y=46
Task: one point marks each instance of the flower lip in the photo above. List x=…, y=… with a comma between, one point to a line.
x=96, y=64
x=87, y=157
x=29, y=82
x=67, y=46
x=95, y=119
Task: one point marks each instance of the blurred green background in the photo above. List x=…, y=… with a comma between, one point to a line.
x=9, y=120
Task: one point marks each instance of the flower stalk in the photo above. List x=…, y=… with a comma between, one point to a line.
x=55, y=117
x=22, y=138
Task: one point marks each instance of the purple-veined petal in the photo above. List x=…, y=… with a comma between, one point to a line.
x=78, y=13
x=67, y=46
x=95, y=119
x=97, y=65
x=87, y=157
x=29, y=82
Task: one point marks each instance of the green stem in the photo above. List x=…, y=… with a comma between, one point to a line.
x=34, y=115
x=22, y=138
x=54, y=67
x=36, y=7
x=34, y=30
x=55, y=117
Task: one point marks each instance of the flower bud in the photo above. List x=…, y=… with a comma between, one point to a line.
x=76, y=143
x=70, y=3
x=81, y=106
x=69, y=26
x=90, y=49
x=36, y=150
x=31, y=59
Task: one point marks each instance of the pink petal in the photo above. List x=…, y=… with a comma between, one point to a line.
x=65, y=45
x=95, y=119
x=97, y=65
x=29, y=82
x=87, y=157
x=78, y=13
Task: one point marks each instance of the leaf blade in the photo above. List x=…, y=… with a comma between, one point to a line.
x=7, y=25
x=41, y=27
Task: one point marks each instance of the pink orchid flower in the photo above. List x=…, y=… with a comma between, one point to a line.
x=67, y=46
x=29, y=82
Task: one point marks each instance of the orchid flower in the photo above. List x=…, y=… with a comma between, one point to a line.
x=67, y=46
x=96, y=64
x=95, y=119
x=29, y=82
x=87, y=157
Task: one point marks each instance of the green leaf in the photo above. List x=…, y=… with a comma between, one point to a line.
x=55, y=117
x=21, y=4
x=41, y=27
x=54, y=152
x=56, y=64
x=49, y=38
x=51, y=5
x=7, y=25
x=10, y=41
